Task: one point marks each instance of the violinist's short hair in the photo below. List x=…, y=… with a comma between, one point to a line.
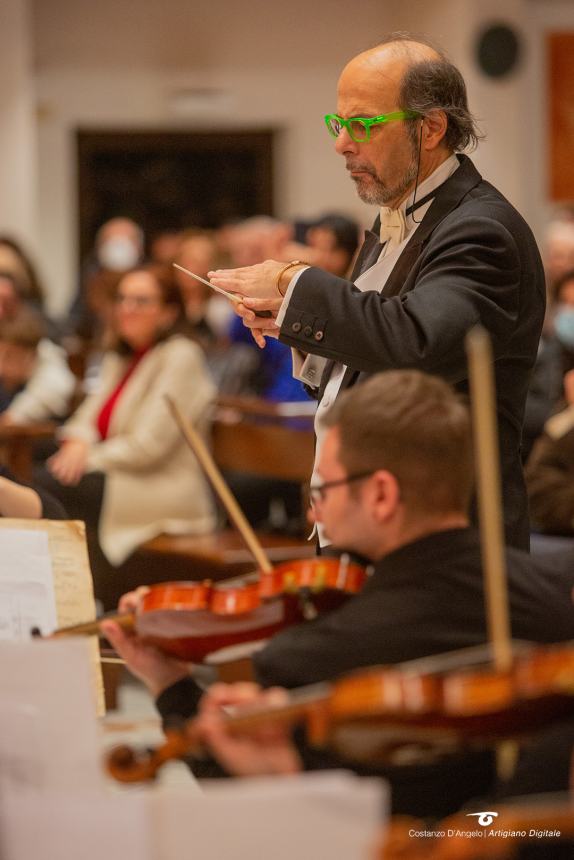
x=414, y=426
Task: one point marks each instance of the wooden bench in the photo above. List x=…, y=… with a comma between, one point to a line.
x=17, y=443
x=264, y=439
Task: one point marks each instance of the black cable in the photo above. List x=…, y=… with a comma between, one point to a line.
x=412, y=207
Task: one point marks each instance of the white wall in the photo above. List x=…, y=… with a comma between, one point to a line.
x=17, y=125
x=274, y=66
x=125, y=63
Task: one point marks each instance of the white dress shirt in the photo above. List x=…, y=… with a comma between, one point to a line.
x=310, y=368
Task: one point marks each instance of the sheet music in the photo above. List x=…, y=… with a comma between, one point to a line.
x=47, y=583
x=27, y=596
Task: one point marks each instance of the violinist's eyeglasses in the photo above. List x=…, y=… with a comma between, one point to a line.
x=317, y=492
x=359, y=127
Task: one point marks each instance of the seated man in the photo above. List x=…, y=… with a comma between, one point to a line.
x=396, y=480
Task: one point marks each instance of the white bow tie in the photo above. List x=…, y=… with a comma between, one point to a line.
x=393, y=226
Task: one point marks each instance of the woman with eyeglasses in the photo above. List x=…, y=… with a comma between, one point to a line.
x=123, y=466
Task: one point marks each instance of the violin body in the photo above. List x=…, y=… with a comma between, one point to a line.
x=457, y=708
x=430, y=713
x=190, y=620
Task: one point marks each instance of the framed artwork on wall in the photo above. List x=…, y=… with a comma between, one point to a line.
x=560, y=52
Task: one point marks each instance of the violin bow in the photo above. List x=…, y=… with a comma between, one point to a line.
x=479, y=353
x=223, y=492
x=487, y=470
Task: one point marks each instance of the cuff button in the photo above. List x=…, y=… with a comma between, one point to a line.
x=319, y=335
x=296, y=327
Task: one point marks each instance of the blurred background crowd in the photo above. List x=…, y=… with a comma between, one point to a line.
x=95, y=323
x=139, y=329
x=48, y=365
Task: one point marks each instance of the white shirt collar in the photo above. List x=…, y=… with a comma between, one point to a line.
x=437, y=177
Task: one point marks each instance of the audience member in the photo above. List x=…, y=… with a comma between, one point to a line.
x=257, y=238
x=332, y=243
x=550, y=470
x=233, y=366
x=118, y=248
x=164, y=245
x=546, y=383
x=208, y=314
x=36, y=383
x=558, y=254
x=16, y=264
x=267, y=502
x=123, y=466
x=14, y=261
x=555, y=358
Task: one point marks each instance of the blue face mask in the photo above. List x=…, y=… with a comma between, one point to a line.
x=564, y=326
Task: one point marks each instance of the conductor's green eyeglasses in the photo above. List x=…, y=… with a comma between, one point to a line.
x=359, y=127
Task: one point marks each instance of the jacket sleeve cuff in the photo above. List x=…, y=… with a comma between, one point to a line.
x=179, y=700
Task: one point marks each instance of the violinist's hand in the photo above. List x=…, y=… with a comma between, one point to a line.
x=68, y=465
x=157, y=670
x=130, y=601
x=267, y=750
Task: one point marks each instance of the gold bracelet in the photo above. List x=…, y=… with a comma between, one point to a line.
x=282, y=272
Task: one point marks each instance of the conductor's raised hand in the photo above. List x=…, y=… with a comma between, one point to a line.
x=258, y=281
x=264, y=286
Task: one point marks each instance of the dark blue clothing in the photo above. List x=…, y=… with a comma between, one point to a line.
x=276, y=380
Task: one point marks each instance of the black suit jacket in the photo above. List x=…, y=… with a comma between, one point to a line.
x=473, y=259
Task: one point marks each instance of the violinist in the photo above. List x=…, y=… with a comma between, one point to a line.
x=395, y=485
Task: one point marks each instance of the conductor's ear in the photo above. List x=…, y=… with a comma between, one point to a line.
x=434, y=128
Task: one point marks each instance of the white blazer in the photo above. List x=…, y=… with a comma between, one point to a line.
x=154, y=483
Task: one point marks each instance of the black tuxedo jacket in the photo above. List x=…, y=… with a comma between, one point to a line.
x=473, y=259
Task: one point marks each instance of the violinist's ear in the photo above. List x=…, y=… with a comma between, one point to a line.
x=385, y=495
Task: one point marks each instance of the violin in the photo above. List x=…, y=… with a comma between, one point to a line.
x=190, y=620
x=426, y=709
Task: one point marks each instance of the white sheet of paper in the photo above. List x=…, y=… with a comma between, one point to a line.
x=70, y=581
x=65, y=826
x=49, y=736
x=26, y=584
x=334, y=815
